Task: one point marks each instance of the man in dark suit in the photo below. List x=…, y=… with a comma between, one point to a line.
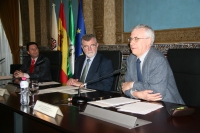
x=91, y=66
x=35, y=66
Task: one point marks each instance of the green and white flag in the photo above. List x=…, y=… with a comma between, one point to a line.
x=71, y=40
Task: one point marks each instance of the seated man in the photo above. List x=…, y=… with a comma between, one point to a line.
x=92, y=65
x=149, y=76
x=35, y=66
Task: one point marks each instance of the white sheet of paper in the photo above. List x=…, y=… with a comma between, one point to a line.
x=48, y=83
x=99, y=104
x=114, y=101
x=118, y=101
x=139, y=107
x=75, y=91
x=47, y=109
x=57, y=89
x=3, y=91
x=44, y=91
x=65, y=89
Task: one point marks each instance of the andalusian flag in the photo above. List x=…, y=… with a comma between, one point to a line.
x=80, y=30
x=54, y=29
x=71, y=41
x=63, y=44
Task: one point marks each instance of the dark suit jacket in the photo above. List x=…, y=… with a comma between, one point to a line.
x=100, y=66
x=41, y=69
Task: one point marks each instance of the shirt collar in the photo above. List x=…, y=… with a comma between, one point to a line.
x=34, y=59
x=143, y=56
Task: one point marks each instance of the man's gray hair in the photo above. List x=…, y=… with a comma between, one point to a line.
x=88, y=37
x=148, y=31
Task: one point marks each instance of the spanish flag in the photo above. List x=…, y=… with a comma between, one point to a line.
x=63, y=44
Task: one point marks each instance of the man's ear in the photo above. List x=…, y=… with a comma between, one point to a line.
x=97, y=44
x=149, y=41
x=28, y=52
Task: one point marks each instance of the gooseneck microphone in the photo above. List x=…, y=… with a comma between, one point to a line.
x=103, y=77
x=80, y=99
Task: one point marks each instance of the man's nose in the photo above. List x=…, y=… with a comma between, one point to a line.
x=89, y=48
x=132, y=43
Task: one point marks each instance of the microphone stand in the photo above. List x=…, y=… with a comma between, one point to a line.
x=79, y=99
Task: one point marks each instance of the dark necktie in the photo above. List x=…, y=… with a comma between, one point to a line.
x=32, y=66
x=139, y=74
x=85, y=70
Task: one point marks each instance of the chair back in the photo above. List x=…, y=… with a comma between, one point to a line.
x=14, y=67
x=116, y=58
x=185, y=64
x=55, y=58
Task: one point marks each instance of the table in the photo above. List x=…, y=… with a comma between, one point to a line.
x=72, y=121
x=4, y=80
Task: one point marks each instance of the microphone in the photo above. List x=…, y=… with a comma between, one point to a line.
x=79, y=99
x=103, y=77
x=2, y=59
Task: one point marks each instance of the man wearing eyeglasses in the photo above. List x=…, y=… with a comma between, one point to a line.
x=149, y=76
x=92, y=65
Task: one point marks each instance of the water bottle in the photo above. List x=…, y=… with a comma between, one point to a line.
x=24, y=98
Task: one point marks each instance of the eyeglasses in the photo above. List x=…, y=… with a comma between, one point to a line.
x=135, y=39
x=87, y=46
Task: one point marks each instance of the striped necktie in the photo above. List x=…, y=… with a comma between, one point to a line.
x=85, y=71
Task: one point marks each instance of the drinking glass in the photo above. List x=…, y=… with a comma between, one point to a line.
x=34, y=89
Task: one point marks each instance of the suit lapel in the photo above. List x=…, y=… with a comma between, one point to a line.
x=145, y=66
x=146, y=58
x=38, y=60
x=80, y=66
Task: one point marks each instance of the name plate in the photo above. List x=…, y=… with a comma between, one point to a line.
x=47, y=109
x=3, y=91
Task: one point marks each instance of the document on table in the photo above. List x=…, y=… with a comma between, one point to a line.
x=140, y=107
x=114, y=102
x=75, y=91
x=57, y=89
x=48, y=83
x=65, y=89
x=5, y=77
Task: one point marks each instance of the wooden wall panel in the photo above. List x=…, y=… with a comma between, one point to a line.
x=98, y=10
